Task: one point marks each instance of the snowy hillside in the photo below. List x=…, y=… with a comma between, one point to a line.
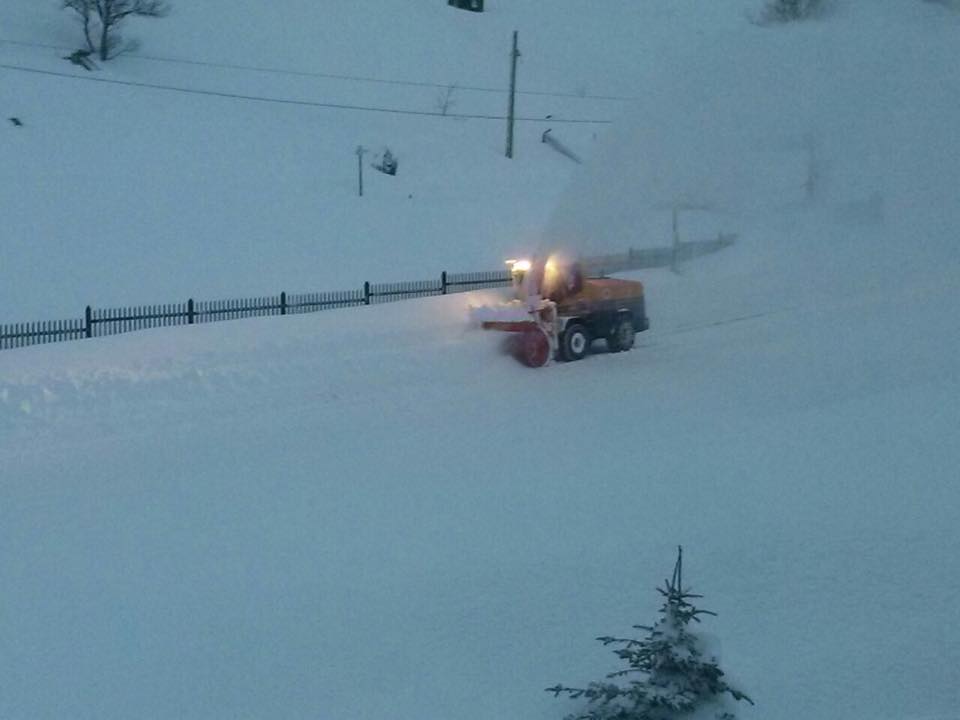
x=376, y=512
x=176, y=193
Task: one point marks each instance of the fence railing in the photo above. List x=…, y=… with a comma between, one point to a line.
x=670, y=256
x=101, y=322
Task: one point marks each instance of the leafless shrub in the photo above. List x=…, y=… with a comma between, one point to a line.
x=781, y=11
x=104, y=17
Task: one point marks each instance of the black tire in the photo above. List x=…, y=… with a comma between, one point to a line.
x=623, y=335
x=575, y=343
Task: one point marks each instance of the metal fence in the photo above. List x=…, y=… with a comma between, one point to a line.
x=670, y=256
x=100, y=322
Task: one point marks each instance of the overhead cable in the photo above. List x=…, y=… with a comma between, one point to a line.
x=293, y=101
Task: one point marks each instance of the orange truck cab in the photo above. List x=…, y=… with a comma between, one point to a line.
x=608, y=308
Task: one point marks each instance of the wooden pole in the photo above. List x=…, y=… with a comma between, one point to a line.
x=360, y=151
x=514, y=54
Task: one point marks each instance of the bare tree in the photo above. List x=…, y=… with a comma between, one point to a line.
x=780, y=11
x=106, y=16
x=83, y=8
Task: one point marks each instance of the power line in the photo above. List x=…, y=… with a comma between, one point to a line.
x=332, y=76
x=381, y=81
x=291, y=101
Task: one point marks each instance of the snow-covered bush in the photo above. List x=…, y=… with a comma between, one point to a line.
x=386, y=162
x=789, y=10
x=671, y=673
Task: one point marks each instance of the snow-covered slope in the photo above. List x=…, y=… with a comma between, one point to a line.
x=376, y=512
x=852, y=117
x=117, y=194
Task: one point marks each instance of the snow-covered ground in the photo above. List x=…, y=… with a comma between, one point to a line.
x=376, y=512
x=116, y=195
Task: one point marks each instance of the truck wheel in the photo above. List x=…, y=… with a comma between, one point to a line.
x=534, y=350
x=622, y=336
x=576, y=342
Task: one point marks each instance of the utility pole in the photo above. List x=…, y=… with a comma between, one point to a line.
x=514, y=54
x=360, y=151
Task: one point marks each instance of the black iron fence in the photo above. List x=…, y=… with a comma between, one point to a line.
x=100, y=322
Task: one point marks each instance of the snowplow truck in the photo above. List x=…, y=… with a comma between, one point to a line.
x=559, y=313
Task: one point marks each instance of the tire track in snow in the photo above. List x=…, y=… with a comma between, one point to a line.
x=241, y=379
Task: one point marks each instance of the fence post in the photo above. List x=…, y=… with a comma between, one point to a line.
x=190, y=313
x=88, y=318
x=283, y=303
x=675, y=248
x=443, y=283
x=366, y=292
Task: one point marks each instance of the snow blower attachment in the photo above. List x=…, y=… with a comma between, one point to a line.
x=559, y=313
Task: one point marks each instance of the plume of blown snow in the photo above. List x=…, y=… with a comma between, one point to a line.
x=852, y=117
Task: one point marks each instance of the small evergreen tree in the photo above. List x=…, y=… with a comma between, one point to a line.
x=673, y=674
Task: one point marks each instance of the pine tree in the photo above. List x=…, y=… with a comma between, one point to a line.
x=671, y=674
